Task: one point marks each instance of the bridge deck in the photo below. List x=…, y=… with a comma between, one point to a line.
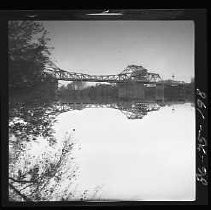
x=149, y=78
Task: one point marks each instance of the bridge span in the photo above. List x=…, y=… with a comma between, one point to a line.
x=132, y=73
x=119, y=78
x=131, y=81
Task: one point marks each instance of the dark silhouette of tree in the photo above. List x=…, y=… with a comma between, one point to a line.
x=28, y=53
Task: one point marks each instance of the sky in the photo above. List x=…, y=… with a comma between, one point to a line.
x=107, y=47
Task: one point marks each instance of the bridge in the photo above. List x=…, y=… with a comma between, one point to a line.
x=131, y=81
x=131, y=73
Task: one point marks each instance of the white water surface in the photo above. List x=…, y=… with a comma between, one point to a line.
x=134, y=159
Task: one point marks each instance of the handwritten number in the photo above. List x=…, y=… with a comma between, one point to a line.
x=200, y=176
x=200, y=113
x=202, y=171
x=201, y=148
x=200, y=103
x=202, y=94
x=201, y=179
x=202, y=142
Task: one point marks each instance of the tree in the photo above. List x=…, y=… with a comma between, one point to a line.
x=46, y=174
x=28, y=53
x=76, y=85
x=33, y=178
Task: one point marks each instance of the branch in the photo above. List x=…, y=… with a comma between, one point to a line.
x=21, y=181
x=26, y=186
x=19, y=193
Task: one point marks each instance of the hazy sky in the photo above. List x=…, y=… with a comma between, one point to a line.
x=107, y=47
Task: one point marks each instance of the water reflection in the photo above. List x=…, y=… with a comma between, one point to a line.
x=27, y=121
x=34, y=172
x=145, y=159
x=37, y=159
x=132, y=110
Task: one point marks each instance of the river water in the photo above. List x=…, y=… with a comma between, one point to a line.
x=148, y=156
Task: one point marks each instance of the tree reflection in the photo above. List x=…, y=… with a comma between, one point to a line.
x=32, y=178
x=27, y=121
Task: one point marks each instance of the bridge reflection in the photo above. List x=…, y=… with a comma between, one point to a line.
x=132, y=110
x=28, y=121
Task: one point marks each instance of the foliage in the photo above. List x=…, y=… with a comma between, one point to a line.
x=87, y=94
x=27, y=121
x=28, y=53
x=76, y=85
x=41, y=175
x=30, y=125
x=41, y=167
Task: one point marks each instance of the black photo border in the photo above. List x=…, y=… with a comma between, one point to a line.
x=198, y=16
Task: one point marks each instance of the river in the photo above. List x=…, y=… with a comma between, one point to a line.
x=134, y=158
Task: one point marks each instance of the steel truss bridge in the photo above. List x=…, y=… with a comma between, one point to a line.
x=131, y=73
x=127, y=75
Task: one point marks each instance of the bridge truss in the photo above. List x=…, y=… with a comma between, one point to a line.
x=125, y=76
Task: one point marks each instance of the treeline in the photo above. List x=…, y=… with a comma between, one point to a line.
x=31, y=116
x=77, y=91
x=184, y=92
x=28, y=55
